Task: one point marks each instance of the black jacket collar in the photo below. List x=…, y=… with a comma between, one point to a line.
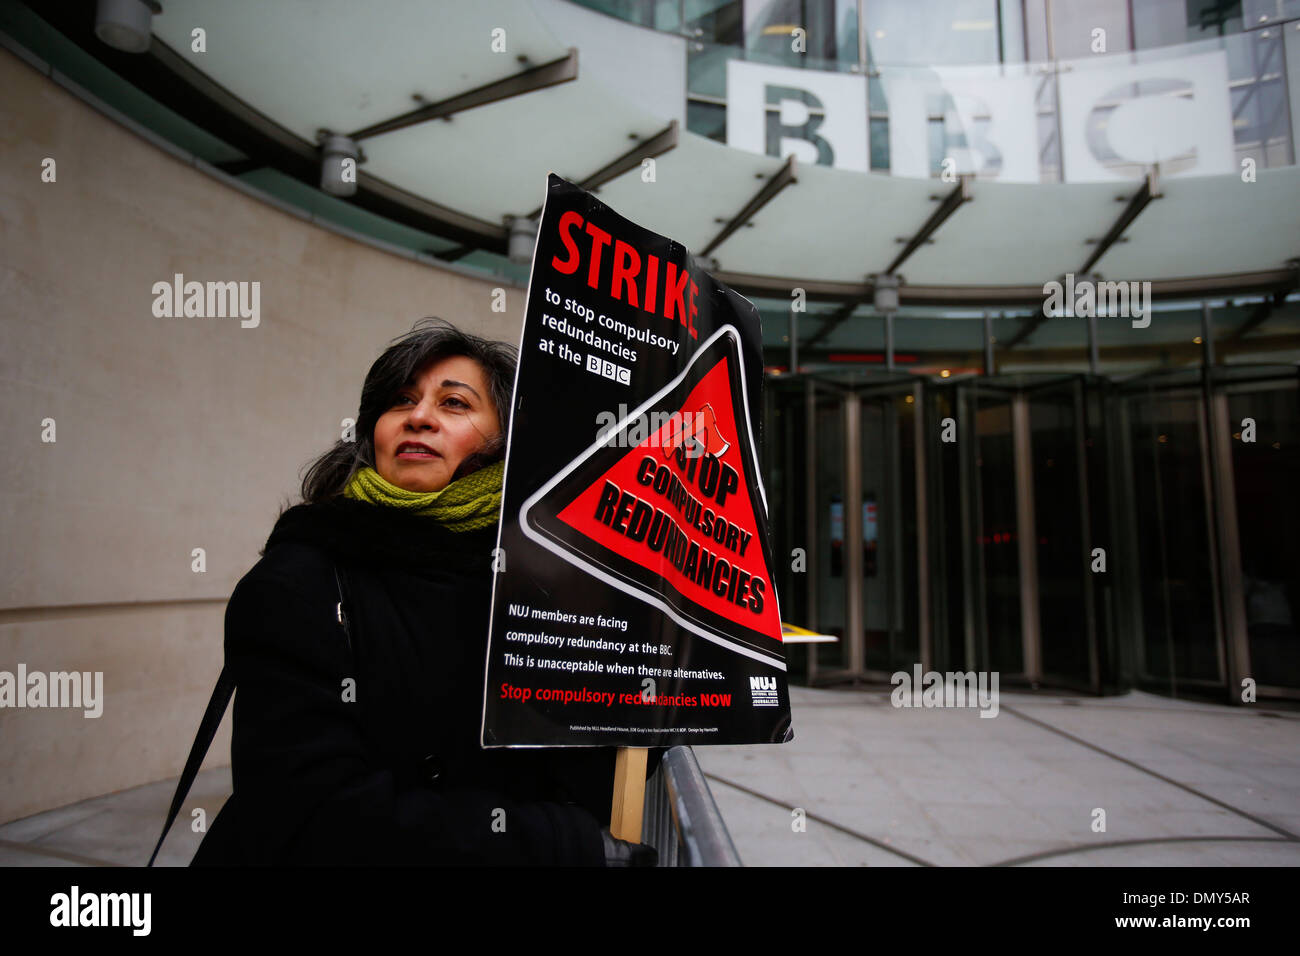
x=357, y=531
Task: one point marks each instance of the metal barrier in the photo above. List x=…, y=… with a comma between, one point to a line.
x=681, y=819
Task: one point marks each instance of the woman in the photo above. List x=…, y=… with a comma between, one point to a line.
x=358, y=642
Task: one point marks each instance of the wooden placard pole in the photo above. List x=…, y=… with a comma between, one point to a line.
x=629, y=793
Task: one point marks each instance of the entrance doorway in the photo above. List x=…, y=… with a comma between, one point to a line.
x=1019, y=470
x=851, y=465
x=1063, y=530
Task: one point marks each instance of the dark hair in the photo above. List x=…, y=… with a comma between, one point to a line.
x=430, y=340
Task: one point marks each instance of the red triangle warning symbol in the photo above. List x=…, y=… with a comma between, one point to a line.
x=669, y=507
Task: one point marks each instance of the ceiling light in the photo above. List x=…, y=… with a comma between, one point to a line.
x=338, y=167
x=126, y=25
x=885, y=292
x=523, y=237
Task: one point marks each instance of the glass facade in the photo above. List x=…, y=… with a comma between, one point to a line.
x=972, y=65
x=951, y=32
x=1265, y=475
x=1095, y=532
x=1173, y=537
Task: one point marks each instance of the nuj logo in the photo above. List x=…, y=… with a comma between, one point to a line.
x=763, y=691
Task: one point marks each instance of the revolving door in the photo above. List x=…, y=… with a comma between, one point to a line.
x=846, y=466
x=1063, y=530
x=950, y=524
x=1021, y=532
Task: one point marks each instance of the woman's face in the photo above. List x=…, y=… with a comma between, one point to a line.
x=448, y=410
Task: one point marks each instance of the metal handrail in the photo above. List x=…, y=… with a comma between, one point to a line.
x=681, y=819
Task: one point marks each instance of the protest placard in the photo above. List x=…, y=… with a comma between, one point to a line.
x=633, y=603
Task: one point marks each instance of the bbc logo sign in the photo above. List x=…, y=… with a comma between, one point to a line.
x=609, y=369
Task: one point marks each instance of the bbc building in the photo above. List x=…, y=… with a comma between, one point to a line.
x=1028, y=273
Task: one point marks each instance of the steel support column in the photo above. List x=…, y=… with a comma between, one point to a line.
x=853, y=617
x=1026, y=540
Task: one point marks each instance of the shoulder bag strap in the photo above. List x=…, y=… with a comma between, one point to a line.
x=221, y=695
x=207, y=730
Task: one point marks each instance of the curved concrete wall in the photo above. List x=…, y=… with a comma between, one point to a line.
x=171, y=434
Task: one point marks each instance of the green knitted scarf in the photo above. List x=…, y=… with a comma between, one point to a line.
x=467, y=504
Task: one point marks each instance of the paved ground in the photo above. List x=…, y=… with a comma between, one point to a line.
x=1180, y=783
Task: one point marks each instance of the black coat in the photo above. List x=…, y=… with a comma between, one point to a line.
x=397, y=776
